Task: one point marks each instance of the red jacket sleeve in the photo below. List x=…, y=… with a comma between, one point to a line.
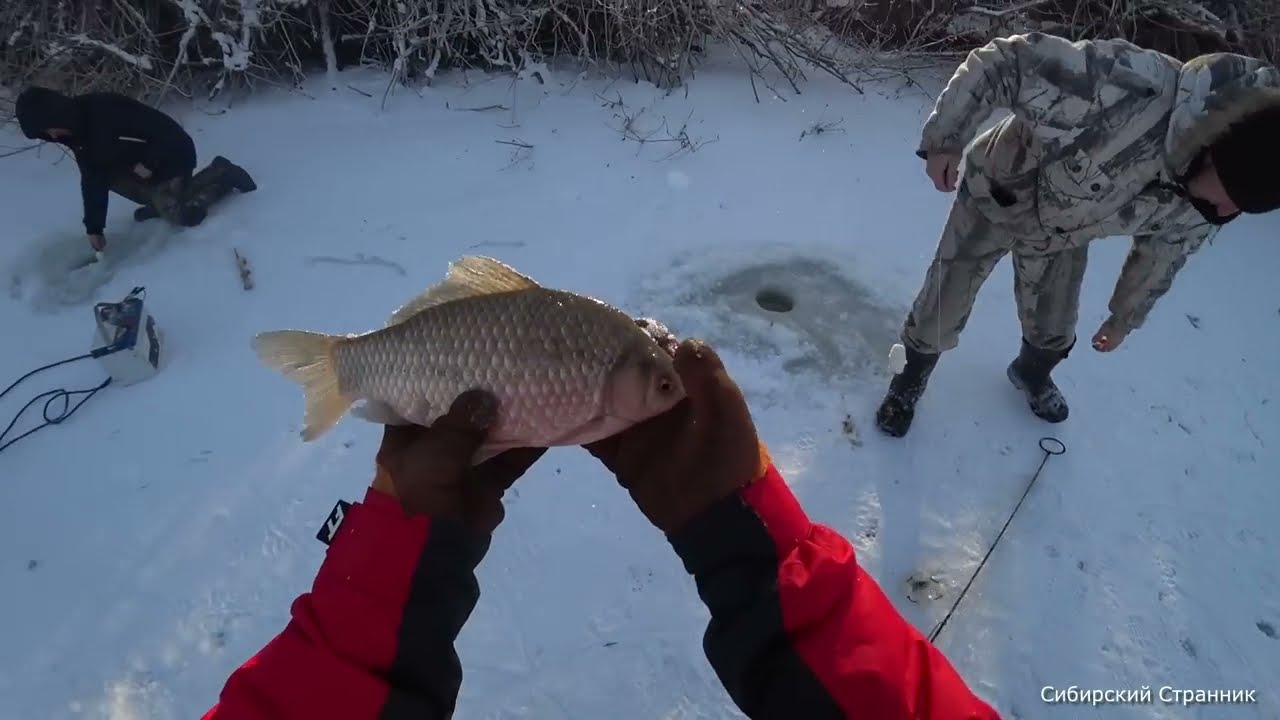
x=799, y=630
x=373, y=639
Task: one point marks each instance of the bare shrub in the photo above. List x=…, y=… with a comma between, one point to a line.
x=151, y=48
x=1181, y=28
x=154, y=47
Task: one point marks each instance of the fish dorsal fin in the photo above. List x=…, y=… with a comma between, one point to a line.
x=470, y=276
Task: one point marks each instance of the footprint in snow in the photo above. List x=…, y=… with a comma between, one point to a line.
x=1267, y=629
x=1189, y=648
x=923, y=589
x=873, y=529
x=850, y=430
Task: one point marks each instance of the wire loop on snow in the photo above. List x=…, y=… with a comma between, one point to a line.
x=1050, y=446
x=1046, y=443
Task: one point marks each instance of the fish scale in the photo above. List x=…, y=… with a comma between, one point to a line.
x=525, y=367
x=566, y=369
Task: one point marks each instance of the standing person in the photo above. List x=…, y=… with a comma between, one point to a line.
x=797, y=628
x=1105, y=138
x=124, y=146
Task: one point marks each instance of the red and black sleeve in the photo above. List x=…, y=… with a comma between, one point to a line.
x=374, y=637
x=799, y=630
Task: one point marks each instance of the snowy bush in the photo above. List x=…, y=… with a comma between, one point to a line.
x=153, y=47
x=1182, y=28
x=201, y=45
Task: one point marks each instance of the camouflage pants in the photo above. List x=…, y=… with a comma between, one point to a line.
x=182, y=200
x=977, y=235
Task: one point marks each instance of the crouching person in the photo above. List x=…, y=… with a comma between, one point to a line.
x=127, y=147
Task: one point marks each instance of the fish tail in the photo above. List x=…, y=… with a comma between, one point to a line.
x=307, y=359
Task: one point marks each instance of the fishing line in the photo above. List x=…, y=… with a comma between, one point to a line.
x=1051, y=446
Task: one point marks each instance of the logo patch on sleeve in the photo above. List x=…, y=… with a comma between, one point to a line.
x=329, y=530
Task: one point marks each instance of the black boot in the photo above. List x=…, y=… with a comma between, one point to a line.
x=898, y=408
x=235, y=177
x=1029, y=372
x=192, y=215
x=145, y=213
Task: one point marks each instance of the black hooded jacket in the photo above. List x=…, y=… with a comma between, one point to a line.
x=110, y=133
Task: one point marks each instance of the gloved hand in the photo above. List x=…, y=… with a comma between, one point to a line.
x=680, y=463
x=98, y=243
x=429, y=469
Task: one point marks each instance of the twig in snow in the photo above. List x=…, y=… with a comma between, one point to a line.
x=1004, y=12
x=324, y=12
x=683, y=142
x=820, y=128
x=1252, y=430
x=522, y=152
x=358, y=259
x=612, y=104
x=478, y=109
x=142, y=62
x=242, y=266
x=630, y=130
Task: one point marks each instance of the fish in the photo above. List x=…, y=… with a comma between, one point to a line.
x=566, y=369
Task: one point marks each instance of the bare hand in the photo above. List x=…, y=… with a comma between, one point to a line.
x=141, y=171
x=943, y=170
x=1109, y=336
x=98, y=243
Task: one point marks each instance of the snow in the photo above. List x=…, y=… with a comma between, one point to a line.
x=155, y=540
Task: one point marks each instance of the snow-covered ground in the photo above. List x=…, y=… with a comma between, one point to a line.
x=155, y=540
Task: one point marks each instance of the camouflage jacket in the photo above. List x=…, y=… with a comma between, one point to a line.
x=1100, y=135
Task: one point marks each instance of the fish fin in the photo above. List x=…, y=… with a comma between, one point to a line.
x=307, y=359
x=376, y=411
x=470, y=276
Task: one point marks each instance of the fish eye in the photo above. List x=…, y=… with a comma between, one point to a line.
x=665, y=385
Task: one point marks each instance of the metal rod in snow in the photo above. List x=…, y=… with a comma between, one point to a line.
x=1050, y=446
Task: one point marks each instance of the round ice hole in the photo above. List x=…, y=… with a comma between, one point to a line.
x=775, y=300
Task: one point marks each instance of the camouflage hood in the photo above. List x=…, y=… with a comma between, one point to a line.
x=1213, y=92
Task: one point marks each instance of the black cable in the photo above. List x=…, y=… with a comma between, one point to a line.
x=1057, y=449
x=53, y=395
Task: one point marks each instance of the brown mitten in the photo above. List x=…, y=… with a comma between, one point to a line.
x=429, y=469
x=701, y=451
